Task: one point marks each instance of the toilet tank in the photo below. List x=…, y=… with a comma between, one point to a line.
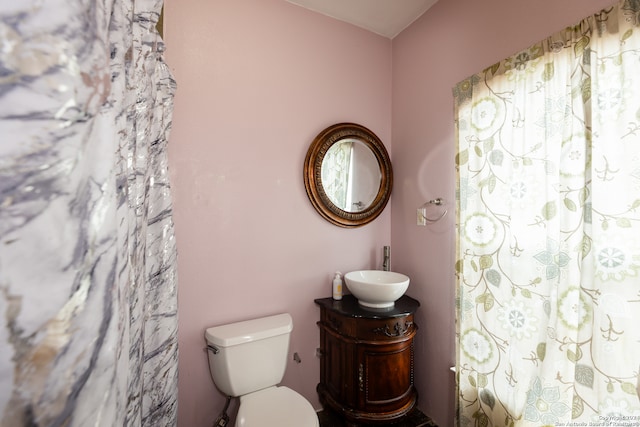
x=248, y=356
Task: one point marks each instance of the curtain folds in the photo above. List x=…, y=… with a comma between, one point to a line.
x=337, y=174
x=548, y=243
x=88, y=278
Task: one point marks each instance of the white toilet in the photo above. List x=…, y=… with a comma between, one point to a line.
x=248, y=359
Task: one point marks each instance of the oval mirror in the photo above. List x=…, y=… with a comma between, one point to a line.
x=348, y=175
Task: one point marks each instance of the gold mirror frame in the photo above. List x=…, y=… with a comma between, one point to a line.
x=313, y=175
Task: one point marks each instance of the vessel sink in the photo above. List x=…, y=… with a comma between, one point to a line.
x=376, y=288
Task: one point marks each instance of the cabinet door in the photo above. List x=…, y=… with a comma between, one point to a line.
x=386, y=377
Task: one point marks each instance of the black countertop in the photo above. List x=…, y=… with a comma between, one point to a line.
x=348, y=306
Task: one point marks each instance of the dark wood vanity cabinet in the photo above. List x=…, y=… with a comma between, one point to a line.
x=366, y=366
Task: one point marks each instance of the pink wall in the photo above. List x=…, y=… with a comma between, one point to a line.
x=454, y=39
x=257, y=80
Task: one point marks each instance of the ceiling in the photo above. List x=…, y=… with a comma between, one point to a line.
x=384, y=17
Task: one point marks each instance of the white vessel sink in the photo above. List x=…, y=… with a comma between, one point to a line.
x=376, y=288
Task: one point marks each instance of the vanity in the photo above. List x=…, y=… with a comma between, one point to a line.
x=366, y=343
x=366, y=359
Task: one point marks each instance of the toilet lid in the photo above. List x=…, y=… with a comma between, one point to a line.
x=277, y=407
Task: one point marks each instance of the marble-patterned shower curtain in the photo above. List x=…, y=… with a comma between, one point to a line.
x=88, y=296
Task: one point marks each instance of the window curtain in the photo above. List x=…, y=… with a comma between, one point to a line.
x=548, y=237
x=336, y=174
x=87, y=252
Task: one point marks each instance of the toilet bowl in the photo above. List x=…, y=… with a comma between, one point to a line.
x=248, y=360
x=275, y=406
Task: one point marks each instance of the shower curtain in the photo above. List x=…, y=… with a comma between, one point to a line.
x=548, y=258
x=88, y=277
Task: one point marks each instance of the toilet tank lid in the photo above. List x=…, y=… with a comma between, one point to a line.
x=249, y=330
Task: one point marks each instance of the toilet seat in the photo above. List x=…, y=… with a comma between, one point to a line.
x=276, y=407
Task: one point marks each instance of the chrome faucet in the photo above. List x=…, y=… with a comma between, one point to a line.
x=387, y=258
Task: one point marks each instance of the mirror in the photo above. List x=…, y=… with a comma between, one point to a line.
x=348, y=175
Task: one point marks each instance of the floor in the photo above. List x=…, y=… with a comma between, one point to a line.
x=414, y=419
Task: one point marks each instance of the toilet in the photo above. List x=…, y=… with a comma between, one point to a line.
x=247, y=360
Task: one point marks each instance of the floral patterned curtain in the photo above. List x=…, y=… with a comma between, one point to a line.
x=548, y=243
x=87, y=252
x=336, y=174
